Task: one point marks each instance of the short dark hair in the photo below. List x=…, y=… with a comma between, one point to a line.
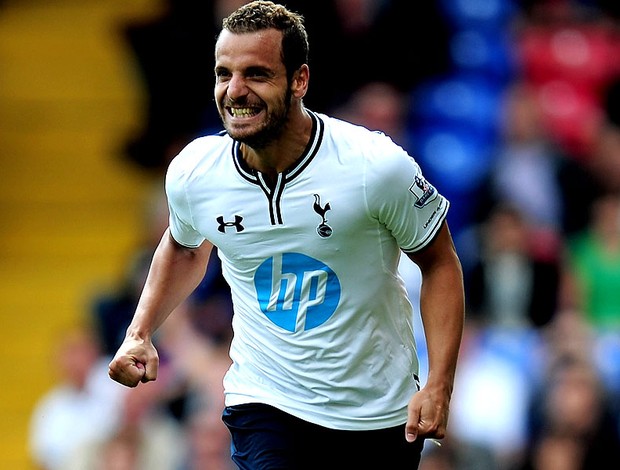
x=259, y=15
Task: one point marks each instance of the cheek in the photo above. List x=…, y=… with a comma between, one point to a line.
x=218, y=94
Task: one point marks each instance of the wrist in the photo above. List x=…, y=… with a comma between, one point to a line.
x=440, y=385
x=138, y=334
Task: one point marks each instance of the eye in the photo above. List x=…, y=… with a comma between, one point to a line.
x=222, y=75
x=258, y=73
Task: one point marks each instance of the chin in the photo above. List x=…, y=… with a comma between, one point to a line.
x=240, y=135
x=250, y=137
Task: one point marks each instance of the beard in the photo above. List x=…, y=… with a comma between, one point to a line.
x=270, y=130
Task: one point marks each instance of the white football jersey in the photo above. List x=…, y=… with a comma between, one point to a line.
x=322, y=322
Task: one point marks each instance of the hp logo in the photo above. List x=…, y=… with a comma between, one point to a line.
x=297, y=292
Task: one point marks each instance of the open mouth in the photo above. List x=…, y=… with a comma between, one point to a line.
x=243, y=112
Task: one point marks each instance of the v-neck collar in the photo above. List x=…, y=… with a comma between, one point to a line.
x=256, y=177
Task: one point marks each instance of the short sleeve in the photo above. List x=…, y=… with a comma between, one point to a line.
x=180, y=222
x=401, y=198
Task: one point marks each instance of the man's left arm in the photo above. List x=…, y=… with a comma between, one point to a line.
x=442, y=306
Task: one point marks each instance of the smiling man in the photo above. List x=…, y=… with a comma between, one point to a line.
x=310, y=216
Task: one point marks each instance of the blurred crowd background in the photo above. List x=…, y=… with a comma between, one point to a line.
x=512, y=108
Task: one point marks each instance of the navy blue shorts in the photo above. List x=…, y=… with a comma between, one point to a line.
x=265, y=438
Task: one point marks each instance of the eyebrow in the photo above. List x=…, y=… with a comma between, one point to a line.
x=251, y=70
x=257, y=69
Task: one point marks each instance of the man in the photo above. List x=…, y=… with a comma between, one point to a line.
x=309, y=215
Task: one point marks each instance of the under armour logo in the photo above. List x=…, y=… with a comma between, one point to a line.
x=323, y=229
x=236, y=224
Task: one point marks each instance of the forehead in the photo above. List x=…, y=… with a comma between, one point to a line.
x=260, y=48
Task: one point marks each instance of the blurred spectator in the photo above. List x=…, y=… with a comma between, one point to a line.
x=568, y=51
x=492, y=389
x=568, y=335
x=509, y=286
x=147, y=437
x=592, y=278
x=531, y=173
x=81, y=407
x=573, y=427
x=571, y=334
x=209, y=442
x=382, y=107
x=604, y=163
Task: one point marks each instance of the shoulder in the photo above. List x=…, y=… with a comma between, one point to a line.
x=374, y=148
x=200, y=152
x=354, y=134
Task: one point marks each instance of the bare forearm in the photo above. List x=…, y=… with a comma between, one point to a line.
x=174, y=274
x=442, y=305
x=442, y=308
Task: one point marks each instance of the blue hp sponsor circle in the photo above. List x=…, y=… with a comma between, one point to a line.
x=296, y=292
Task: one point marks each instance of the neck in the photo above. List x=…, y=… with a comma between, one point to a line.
x=284, y=151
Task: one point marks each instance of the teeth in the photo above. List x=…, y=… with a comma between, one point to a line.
x=242, y=112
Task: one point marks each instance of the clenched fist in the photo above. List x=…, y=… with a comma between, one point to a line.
x=135, y=361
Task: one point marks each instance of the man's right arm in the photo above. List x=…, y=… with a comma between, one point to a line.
x=174, y=274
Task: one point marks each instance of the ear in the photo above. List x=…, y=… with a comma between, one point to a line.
x=299, y=83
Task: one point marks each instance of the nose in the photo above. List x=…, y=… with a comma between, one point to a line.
x=236, y=88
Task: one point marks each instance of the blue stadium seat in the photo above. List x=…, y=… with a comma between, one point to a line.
x=467, y=100
x=486, y=52
x=480, y=14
